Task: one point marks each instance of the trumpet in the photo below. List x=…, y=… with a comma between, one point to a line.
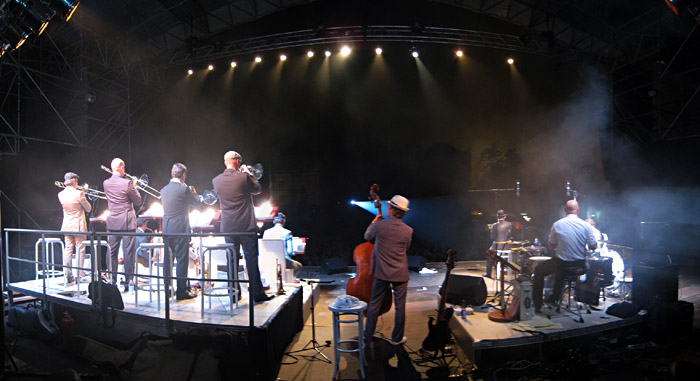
x=141, y=183
x=252, y=170
x=90, y=193
x=209, y=197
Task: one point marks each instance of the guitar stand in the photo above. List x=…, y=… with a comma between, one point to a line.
x=313, y=344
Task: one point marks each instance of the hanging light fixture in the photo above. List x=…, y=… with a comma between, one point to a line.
x=64, y=8
x=35, y=19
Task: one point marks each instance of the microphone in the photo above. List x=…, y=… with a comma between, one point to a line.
x=517, y=188
x=568, y=189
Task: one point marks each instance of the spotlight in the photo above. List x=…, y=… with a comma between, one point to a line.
x=510, y=61
x=378, y=50
x=258, y=59
x=32, y=19
x=210, y=67
x=233, y=64
x=190, y=71
x=64, y=8
x=283, y=57
x=459, y=53
x=414, y=54
x=14, y=36
x=345, y=51
x=310, y=53
x=328, y=53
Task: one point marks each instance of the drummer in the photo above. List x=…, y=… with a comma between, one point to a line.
x=596, y=233
x=569, y=237
x=500, y=235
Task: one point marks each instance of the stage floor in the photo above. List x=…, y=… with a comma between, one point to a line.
x=188, y=311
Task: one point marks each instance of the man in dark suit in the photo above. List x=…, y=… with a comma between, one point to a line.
x=389, y=267
x=236, y=189
x=121, y=197
x=177, y=198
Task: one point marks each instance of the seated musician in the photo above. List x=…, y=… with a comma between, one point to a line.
x=142, y=227
x=279, y=232
x=569, y=237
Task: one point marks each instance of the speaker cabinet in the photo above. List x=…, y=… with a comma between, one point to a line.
x=415, y=263
x=654, y=284
x=333, y=265
x=471, y=289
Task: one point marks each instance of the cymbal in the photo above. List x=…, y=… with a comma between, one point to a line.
x=539, y=259
x=519, y=242
x=533, y=248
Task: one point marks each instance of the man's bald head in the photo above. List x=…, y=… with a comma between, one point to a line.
x=571, y=207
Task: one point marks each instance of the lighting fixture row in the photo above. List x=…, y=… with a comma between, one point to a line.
x=344, y=51
x=21, y=19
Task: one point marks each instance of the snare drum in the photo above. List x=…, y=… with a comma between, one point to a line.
x=618, y=266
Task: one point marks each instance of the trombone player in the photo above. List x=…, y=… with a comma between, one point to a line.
x=121, y=195
x=74, y=204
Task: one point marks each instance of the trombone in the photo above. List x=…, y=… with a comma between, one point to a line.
x=141, y=183
x=90, y=193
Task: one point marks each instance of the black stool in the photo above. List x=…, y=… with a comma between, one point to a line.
x=571, y=276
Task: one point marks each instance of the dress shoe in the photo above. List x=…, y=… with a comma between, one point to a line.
x=263, y=298
x=185, y=295
x=400, y=342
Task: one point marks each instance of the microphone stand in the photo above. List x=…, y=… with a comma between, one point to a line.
x=314, y=344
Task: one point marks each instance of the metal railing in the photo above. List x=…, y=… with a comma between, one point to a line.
x=96, y=265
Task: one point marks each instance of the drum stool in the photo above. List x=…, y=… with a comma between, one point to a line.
x=232, y=289
x=571, y=278
x=149, y=247
x=337, y=314
x=48, y=269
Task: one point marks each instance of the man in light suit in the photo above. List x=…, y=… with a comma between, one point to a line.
x=177, y=198
x=74, y=205
x=279, y=232
x=389, y=267
x=122, y=195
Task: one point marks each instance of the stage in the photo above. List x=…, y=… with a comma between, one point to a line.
x=275, y=323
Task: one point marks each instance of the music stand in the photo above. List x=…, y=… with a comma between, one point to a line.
x=314, y=344
x=504, y=263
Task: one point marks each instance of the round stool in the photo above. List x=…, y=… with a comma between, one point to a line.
x=337, y=314
x=148, y=247
x=48, y=269
x=232, y=289
x=97, y=245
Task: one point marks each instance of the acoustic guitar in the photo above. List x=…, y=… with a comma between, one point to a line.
x=438, y=329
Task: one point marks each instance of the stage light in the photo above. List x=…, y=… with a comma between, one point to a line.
x=35, y=21
x=328, y=53
x=64, y=8
x=459, y=53
x=414, y=54
x=378, y=50
x=190, y=71
x=283, y=57
x=345, y=51
x=310, y=53
x=14, y=36
x=233, y=64
x=210, y=67
x=353, y=202
x=258, y=59
x=510, y=61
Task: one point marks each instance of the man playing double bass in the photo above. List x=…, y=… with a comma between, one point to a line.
x=389, y=266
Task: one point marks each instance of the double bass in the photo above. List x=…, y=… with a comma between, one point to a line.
x=360, y=286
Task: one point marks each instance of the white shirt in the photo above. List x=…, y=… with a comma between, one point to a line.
x=279, y=232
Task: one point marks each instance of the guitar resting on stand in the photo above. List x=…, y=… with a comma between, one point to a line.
x=438, y=330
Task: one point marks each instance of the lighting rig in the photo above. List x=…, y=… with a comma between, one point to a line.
x=23, y=19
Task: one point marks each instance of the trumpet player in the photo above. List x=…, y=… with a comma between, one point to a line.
x=122, y=195
x=177, y=198
x=236, y=189
x=74, y=205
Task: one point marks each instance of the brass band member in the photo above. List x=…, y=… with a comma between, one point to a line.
x=74, y=205
x=236, y=189
x=177, y=199
x=121, y=195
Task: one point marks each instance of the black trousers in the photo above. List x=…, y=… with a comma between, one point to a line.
x=179, y=246
x=128, y=249
x=554, y=266
x=250, y=251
